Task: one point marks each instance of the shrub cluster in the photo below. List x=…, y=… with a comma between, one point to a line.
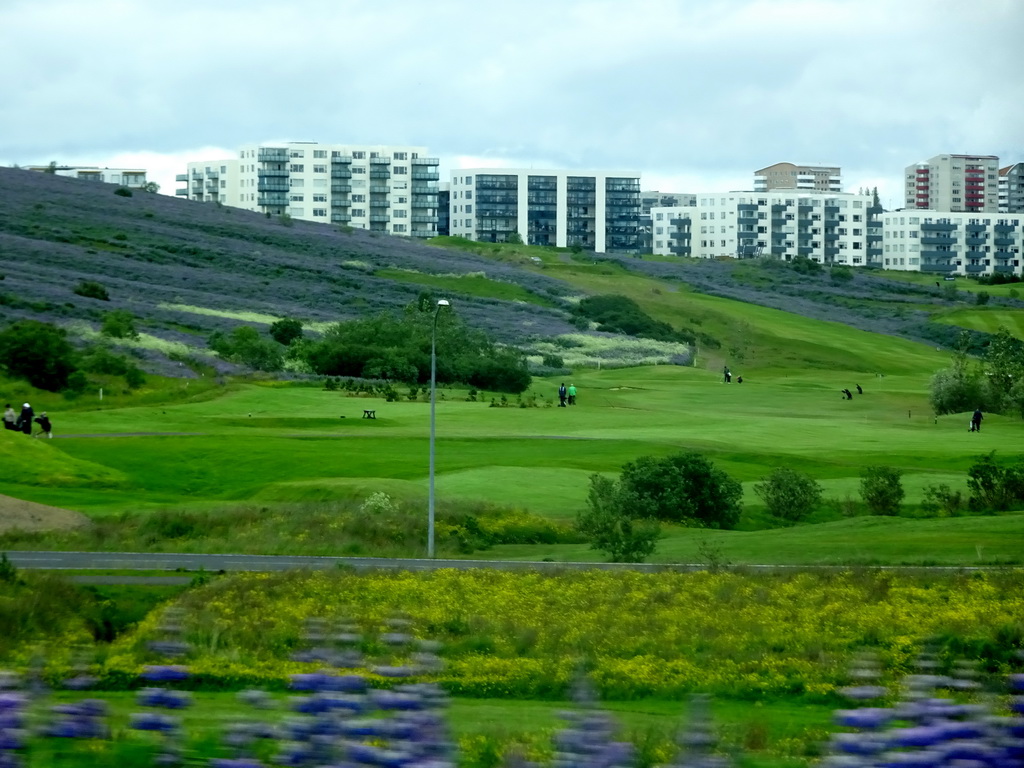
x=620, y=314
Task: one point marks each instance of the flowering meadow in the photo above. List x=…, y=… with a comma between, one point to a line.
x=665, y=635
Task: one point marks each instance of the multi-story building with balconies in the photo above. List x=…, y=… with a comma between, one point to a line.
x=596, y=210
x=952, y=243
x=954, y=183
x=806, y=178
x=830, y=228
x=1011, y=188
x=389, y=189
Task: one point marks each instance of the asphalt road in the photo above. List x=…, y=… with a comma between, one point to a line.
x=154, y=561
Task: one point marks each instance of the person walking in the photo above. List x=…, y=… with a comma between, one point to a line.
x=976, y=420
x=726, y=376
x=25, y=419
x=562, y=394
x=44, y=425
x=10, y=417
x=572, y=394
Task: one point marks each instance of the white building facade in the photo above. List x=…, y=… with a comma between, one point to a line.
x=954, y=183
x=952, y=243
x=1011, y=188
x=126, y=177
x=806, y=178
x=596, y=210
x=830, y=228
x=382, y=188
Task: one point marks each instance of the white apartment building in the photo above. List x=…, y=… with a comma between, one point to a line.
x=1011, y=188
x=806, y=178
x=126, y=177
x=954, y=183
x=381, y=188
x=597, y=210
x=952, y=243
x=830, y=228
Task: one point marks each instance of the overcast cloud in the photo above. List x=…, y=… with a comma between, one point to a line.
x=694, y=94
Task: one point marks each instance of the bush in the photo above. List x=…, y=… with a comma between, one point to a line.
x=981, y=298
x=620, y=314
x=119, y=324
x=995, y=488
x=881, y=489
x=37, y=352
x=609, y=526
x=684, y=488
x=245, y=346
x=941, y=500
x=286, y=330
x=788, y=494
x=805, y=266
x=123, y=192
x=553, y=361
x=841, y=274
x=92, y=290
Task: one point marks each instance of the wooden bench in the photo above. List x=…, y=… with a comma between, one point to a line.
x=368, y=414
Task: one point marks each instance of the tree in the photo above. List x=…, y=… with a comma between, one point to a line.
x=609, y=527
x=514, y=238
x=881, y=488
x=37, y=352
x=286, y=330
x=245, y=346
x=960, y=387
x=788, y=494
x=150, y=186
x=51, y=168
x=1004, y=362
x=90, y=289
x=683, y=488
x=119, y=324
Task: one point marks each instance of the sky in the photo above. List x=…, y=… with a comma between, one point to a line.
x=695, y=95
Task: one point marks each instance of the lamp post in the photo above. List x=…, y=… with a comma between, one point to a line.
x=433, y=421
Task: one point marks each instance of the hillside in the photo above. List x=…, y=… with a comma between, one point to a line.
x=186, y=269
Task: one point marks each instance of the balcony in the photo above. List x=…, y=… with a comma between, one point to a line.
x=938, y=267
x=341, y=159
x=426, y=161
x=341, y=173
x=938, y=240
x=1002, y=229
x=380, y=160
x=181, y=191
x=379, y=189
x=380, y=173
x=975, y=227
x=936, y=226
x=424, y=233
x=275, y=172
x=681, y=250
x=340, y=189
x=429, y=176
x=273, y=185
x=181, y=177
x=977, y=240
x=272, y=200
x=420, y=219
x=379, y=204
x=975, y=269
x=1003, y=241
x=423, y=189
x=1004, y=255
x=272, y=155
x=379, y=218
x=340, y=218
x=340, y=202
x=1005, y=268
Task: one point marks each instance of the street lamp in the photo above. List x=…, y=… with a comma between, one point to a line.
x=433, y=403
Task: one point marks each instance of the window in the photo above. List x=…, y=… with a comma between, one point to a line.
x=399, y=213
x=296, y=198
x=400, y=155
x=400, y=170
x=358, y=171
x=319, y=198
x=223, y=169
x=293, y=211
x=296, y=153
x=398, y=228
x=319, y=153
x=358, y=155
x=659, y=216
x=659, y=230
x=659, y=243
x=319, y=169
x=296, y=168
x=295, y=183
x=223, y=184
x=469, y=194
x=358, y=198
x=403, y=200
x=358, y=212
x=469, y=209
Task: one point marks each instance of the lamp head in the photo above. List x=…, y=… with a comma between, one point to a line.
x=443, y=303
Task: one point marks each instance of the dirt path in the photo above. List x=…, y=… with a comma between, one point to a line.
x=29, y=516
